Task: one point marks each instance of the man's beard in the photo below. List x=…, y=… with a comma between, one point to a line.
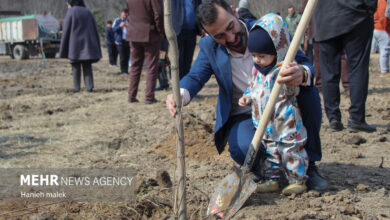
x=242, y=38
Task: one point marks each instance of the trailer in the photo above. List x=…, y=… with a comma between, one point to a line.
x=29, y=35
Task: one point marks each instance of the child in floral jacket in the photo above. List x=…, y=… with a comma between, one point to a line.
x=285, y=135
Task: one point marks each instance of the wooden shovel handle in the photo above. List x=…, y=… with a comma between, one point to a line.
x=292, y=51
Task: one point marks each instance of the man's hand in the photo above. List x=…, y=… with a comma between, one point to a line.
x=292, y=75
x=244, y=101
x=123, y=24
x=171, y=104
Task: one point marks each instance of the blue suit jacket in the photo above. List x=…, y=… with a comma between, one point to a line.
x=178, y=15
x=118, y=30
x=213, y=59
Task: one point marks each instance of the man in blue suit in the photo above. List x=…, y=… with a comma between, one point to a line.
x=224, y=53
x=123, y=47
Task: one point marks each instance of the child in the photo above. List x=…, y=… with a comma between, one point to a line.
x=285, y=135
x=110, y=43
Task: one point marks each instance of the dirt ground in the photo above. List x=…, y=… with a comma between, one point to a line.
x=44, y=125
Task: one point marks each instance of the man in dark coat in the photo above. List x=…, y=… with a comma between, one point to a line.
x=345, y=25
x=80, y=43
x=144, y=32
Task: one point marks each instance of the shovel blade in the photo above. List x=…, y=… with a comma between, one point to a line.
x=231, y=194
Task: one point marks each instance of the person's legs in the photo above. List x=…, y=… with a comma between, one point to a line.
x=295, y=162
x=330, y=61
x=344, y=72
x=384, y=48
x=115, y=54
x=137, y=54
x=316, y=63
x=187, y=44
x=162, y=75
x=310, y=53
x=110, y=50
x=240, y=138
x=126, y=55
x=310, y=105
x=152, y=52
x=124, y=51
x=76, y=73
x=88, y=76
x=357, y=45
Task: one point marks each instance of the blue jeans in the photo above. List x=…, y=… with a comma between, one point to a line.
x=383, y=40
x=240, y=137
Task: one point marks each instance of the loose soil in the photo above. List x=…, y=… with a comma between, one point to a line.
x=44, y=125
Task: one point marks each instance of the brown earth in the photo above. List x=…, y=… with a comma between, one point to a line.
x=43, y=124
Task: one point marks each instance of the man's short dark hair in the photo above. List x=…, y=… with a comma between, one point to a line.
x=109, y=22
x=79, y=3
x=206, y=12
x=125, y=10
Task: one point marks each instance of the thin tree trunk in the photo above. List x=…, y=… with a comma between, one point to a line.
x=173, y=54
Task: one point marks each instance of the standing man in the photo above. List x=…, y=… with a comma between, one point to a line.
x=80, y=43
x=292, y=20
x=122, y=44
x=110, y=44
x=144, y=33
x=224, y=54
x=345, y=25
x=184, y=24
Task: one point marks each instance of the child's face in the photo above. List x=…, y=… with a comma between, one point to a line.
x=262, y=59
x=109, y=25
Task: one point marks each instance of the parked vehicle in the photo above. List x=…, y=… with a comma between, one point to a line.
x=29, y=35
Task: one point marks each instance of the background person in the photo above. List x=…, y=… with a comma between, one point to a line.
x=381, y=36
x=122, y=44
x=110, y=44
x=292, y=20
x=80, y=43
x=348, y=26
x=144, y=32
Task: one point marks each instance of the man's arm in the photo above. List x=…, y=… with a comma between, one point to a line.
x=199, y=74
x=294, y=75
x=115, y=26
x=158, y=15
x=194, y=81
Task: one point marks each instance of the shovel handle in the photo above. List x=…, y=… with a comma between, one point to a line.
x=269, y=109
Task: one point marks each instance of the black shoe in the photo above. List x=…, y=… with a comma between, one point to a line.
x=132, y=100
x=125, y=73
x=335, y=126
x=316, y=181
x=151, y=101
x=360, y=126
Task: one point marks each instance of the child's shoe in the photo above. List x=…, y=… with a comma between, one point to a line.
x=294, y=189
x=268, y=186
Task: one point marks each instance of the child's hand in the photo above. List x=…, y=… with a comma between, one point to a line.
x=244, y=101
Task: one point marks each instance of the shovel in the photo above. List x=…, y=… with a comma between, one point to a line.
x=238, y=186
